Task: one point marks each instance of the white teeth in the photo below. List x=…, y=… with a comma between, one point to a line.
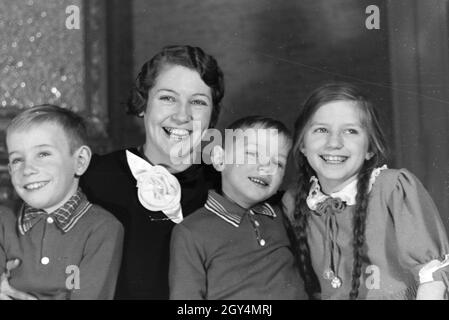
x=35, y=185
x=177, y=134
x=334, y=158
x=259, y=181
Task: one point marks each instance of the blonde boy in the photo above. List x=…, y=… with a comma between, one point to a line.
x=58, y=245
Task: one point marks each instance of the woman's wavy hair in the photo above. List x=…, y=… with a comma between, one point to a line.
x=190, y=57
x=325, y=94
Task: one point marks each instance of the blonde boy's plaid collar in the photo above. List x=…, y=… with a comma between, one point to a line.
x=232, y=212
x=65, y=217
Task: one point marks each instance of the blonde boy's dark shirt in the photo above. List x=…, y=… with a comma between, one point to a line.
x=223, y=251
x=73, y=253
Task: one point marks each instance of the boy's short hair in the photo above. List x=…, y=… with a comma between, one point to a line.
x=73, y=124
x=262, y=123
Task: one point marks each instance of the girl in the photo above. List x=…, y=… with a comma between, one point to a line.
x=363, y=231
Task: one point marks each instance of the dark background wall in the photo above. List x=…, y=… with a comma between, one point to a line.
x=274, y=53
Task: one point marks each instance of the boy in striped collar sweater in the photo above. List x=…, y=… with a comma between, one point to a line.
x=236, y=246
x=58, y=245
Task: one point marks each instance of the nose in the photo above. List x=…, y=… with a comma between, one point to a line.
x=29, y=168
x=335, y=141
x=183, y=113
x=266, y=169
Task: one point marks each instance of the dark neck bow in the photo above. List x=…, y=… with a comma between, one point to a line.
x=329, y=206
x=30, y=214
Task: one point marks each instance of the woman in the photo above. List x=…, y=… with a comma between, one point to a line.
x=178, y=94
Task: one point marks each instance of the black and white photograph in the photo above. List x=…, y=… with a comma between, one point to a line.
x=242, y=151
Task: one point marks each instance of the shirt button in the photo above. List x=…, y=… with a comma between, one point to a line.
x=262, y=242
x=50, y=220
x=45, y=260
x=256, y=223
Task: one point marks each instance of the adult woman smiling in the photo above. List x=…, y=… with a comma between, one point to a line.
x=178, y=94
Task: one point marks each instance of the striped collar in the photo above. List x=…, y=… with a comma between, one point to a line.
x=232, y=212
x=65, y=217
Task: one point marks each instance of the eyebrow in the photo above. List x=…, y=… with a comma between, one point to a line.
x=174, y=92
x=203, y=95
x=35, y=147
x=246, y=144
x=169, y=90
x=282, y=155
x=358, y=124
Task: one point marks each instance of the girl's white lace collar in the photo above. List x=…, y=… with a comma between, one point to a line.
x=347, y=194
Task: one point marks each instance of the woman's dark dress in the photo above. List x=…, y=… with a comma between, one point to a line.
x=110, y=183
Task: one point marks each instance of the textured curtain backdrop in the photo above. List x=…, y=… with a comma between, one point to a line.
x=42, y=60
x=419, y=51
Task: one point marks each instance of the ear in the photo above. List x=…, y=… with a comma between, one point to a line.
x=302, y=148
x=82, y=159
x=369, y=155
x=218, y=158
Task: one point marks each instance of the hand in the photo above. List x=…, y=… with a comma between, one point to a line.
x=434, y=290
x=6, y=291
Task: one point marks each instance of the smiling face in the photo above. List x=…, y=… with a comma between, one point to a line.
x=41, y=166
x=178, y=112
x=260, y=176
x=336, y=144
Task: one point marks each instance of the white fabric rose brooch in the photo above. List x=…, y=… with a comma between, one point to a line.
x=157, y=189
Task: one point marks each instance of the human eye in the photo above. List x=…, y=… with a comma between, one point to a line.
x=43, y=154
x=199, y=102
x=280, y=165
x=15, y=161
x=320, y=130
x=252, y=153
x=167, y=98
x=352, y=131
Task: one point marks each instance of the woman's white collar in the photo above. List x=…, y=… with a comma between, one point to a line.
x=157, y=188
